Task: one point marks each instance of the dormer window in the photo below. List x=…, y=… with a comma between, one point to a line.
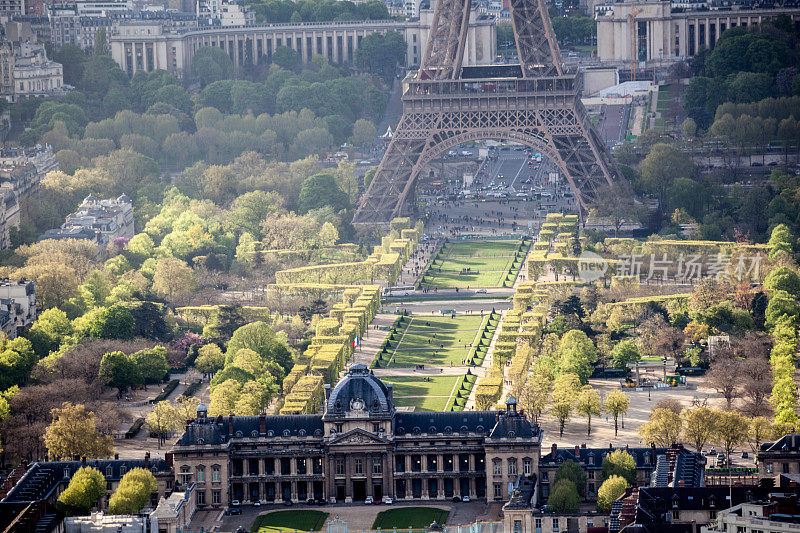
x=591, y=459
x=675, y=502
x=286, y=432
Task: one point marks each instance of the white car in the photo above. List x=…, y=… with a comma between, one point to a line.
x=480, y=291
x=387, y=500
x=235, y=503
x=369, y=500
x=465, y=498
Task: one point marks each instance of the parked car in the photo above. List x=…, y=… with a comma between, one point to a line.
x=288, y=503
x=369, y=500
x=235, y=503
x=387, y=500
x=256, y=503
x=480, y=291
x=465, y=499
x=232, y=511
x=310, y=501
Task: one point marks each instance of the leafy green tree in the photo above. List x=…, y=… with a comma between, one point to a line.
x=588, y=404
x=781, y=240
x=562, y=399
x=49, y=331
x=698, y=425
x=150, y=321
x=210, y=64
x=133, y=492
x=72, y=59
x=577, y=353
x=663, y=164
x=364, y=132
x=664, y=427
x=624, y=353
x=572, y=471
x=380, y=54
x=73, y=431
x=287, y=58
x=611, y=489
x=152, y=364
x=115, y=322
x=84, y=490
x=620, y=463
x=781, y=304
x=173, y=278
x=210, y=359
x=320, y=190
x=262, y=339
x=731, y=429
x=119, y=370
x=784, y=279
x=563, y=498
x=617, y=403
x=162, y=419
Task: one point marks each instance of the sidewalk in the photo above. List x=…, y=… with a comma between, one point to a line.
x=372, y=341
x=487, y=363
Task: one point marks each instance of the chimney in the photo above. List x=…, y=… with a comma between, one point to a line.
x=610, y=446
x=583, y=446
x=577, y=452
x=327, y=391
x=390, y=387
x=653, y=453
x=627, y=449
x=230, y=424
x=147, y=460
x=554, y=449
x=262, y=423
x=116, y=456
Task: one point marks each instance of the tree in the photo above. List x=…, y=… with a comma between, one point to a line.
x=85, y=488
x=784, y=279
x=698, y=426
x=563, y=398
x=364, y=132
x=535, y=394
x=100, y=41
x=588, y=404
x=210, y=64
x=781, y=304
x=380, y=54
x=152, y=364
x=577, y=353
x=624, y=353
x=72, y=58
x=119, y=370
x=611, y=489
x=133, y=492
x=173, y=278
x=287, y=58
x=162, y=419
x=780, y=241
x=620, y=463
x=663, y=164
x=730, y=430
x=563, y=498
x=210, y=359
x=664, y=428
x=617, y=403
x=760, y=431
x=261, y=338
x=616, y=204
x=320, y=190
x=73, y=432
x=756, y=383
x=49, y=330
x=572, y=471
x=115, y=322
x=724, y=376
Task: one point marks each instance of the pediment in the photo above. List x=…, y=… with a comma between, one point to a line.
x=358, y=436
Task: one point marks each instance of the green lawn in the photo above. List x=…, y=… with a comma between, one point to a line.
x=409, y=517
x=414, y=391
x=437, y=340
x=283, y=521
x=488, y=262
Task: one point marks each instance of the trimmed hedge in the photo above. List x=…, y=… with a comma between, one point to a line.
x=166, y=391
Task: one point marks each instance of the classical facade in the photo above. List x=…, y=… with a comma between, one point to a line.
x=360, y=446
x=25, y=70
x=656, y=31
x=145, y=45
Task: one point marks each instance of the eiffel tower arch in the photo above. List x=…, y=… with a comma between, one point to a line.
x=535, y=103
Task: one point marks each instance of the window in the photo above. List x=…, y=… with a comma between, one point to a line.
x=186, y=475
x=201, y=497
x=591, y=459
x=377, y=466
x=498, y=467
x=517, y=526
x=785, y=468
x=526, y=467
x=591, y=488
x=109, y=471
x=340, y=467
x=590, y=475
x=498, y=491
x=712, y=515
x=215, y=474
x=769, y=468
x=216, y=497
x=676, y=514
x=201, y=474
x=512, y=467
x=339, y=428
x=545, y=476
x=538, y=525
x=376, y=428
x=555, y=525
x=359, y=466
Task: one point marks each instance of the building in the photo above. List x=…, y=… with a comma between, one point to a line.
x=9, y=216
x=654, y=466
x=144, y=45
x=174, y=512
x=361, y=446
x=79, y=233
x=25, y=70
x=778, y=514
x=40, y=156
x=17, y=306
x=779, y=457
x=30, y=500
x=11, y=8
x=103, y=523
x=99, y=221
x=231, y=14
x=657, y=30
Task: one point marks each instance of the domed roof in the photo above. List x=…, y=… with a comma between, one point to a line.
x=360, y=390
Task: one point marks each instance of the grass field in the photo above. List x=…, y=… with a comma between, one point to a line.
x=283, y=521
x=488, y=263
x=436, y=340
x=414, y=391
x=409, y=517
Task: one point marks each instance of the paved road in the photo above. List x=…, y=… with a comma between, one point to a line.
x=613, y=123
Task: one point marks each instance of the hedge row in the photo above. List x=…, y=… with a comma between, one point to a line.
x=207, y=314
x=166, y=391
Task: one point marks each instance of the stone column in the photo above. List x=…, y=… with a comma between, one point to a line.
x=440, y=463
x=368, y=471
x=388, y=485
x=348, y=484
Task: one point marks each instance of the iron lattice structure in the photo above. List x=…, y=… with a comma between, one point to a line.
x=536, y=103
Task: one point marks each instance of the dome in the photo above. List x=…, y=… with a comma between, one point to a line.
x=360, y=390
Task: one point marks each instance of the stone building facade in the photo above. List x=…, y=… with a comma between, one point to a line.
x=145, y=45
x=360, y=447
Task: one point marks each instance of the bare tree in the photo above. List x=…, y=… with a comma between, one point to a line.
x=725, y=375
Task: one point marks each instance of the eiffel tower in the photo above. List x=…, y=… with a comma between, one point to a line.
x=535, y=103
